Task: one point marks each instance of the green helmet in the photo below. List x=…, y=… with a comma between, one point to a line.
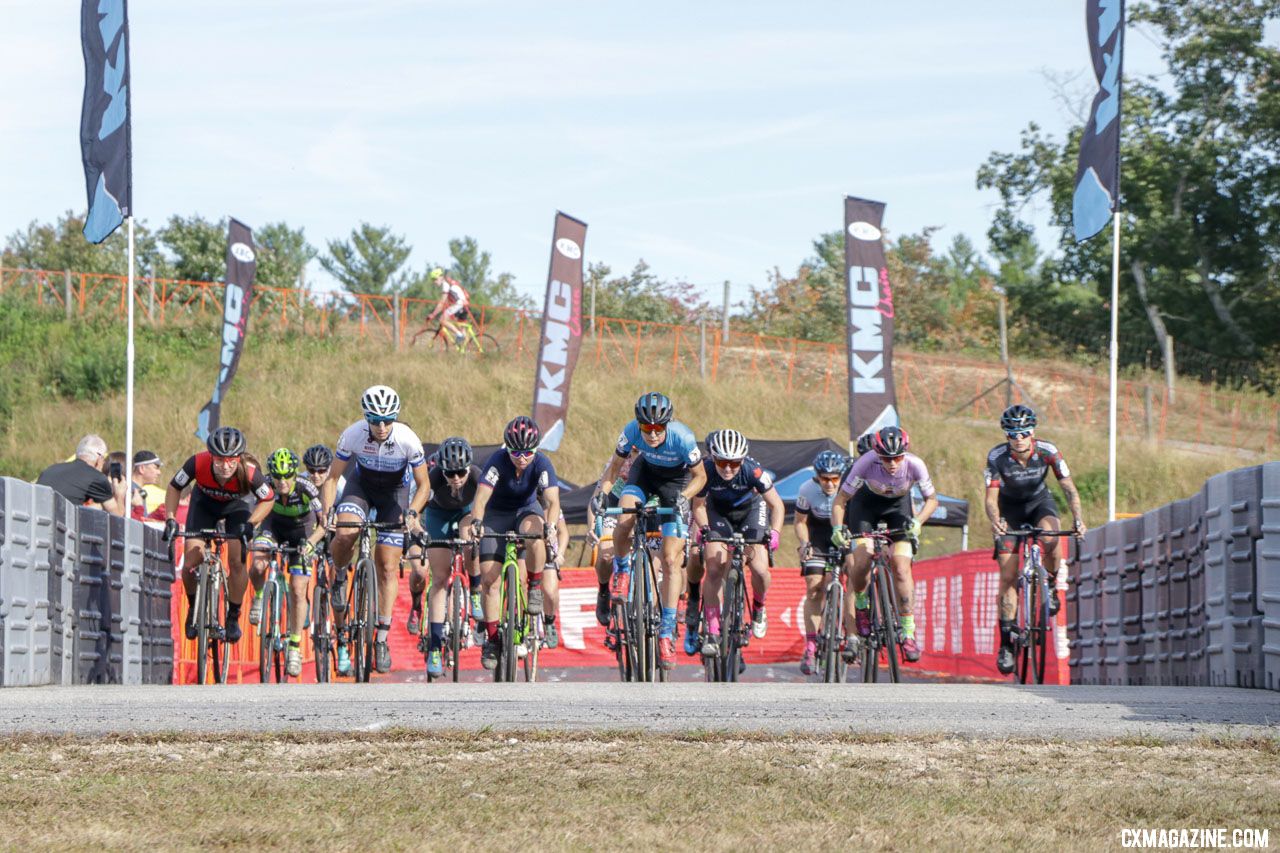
x=283, y=463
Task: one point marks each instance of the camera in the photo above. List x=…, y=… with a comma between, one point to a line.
x=115, y=471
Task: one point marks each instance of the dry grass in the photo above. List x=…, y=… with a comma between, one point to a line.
x=402, y=790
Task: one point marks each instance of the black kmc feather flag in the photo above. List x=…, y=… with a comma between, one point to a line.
x=869, y=320
x=241, y=266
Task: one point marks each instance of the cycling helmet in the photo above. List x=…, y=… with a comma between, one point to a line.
x=728, y=444
x=379, y=401
x=891, y=441
x=865, y=441
x=1017, y=418
x=828, y=462
x=436, y=274
x=454, y=455
x=521, y=434
x=654, y=408
x=283, y=463
x=318, y=457
x=227, y=441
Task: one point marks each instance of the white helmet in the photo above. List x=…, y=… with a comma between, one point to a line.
x=379, y=401
x=728, y=444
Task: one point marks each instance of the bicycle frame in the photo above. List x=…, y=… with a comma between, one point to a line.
x=1032, y=620
x=362, y=595
x=210, y=605
x=735, y=619
x=457, y=636
x=516, y=630
x=635, y=622
x=322, y=625
x=831, y=636
x=272, y=629
x=885, y=632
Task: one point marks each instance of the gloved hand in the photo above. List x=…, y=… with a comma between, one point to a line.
x=170, y=529
x=913, y=528
x=840, y=536
x=999, y=527
x=477, y=528
x=597, y=503
x=308, y=551
x=682, y=508
x=246, y=534
x=774, y=538
x=331, y=518
x=701, y=535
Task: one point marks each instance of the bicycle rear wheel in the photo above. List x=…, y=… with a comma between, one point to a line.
x=833, y=669
x=456, y=626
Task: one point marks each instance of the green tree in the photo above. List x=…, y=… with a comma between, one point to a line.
x=283, y=254
x=370, y=262
x=61, y=246
x=198, y=247
x=473, y=269
x=641, y=295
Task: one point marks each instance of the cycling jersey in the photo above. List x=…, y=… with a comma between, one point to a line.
x=454, y=292
x=869, y=472
x=739, y=490
x=199, y=468
x=512, y=490
x=443, y=496
x=814, y=502
x=295, y=507
x=1018, y=482
x=679, y=449
x=382, y=465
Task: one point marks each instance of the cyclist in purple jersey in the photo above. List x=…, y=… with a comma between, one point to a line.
x=1017, y=496
x=878, y=489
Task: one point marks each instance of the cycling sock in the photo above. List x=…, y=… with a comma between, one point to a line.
x=437, y=636
x=908, y=624
x=295, y=640
x=535, y=581
x=604, y=588
x=491, y=631
x=757, y=604
x=622, y=565
x=694, y=593
x=713, y=619
x=811, y=638
x=415, y=601
x=384, y=628
x=668, y=627
x=861, y=601
x=549, y=620
x=233, y=611
x=1006, y=632
x=191, y=604
x=474, y=583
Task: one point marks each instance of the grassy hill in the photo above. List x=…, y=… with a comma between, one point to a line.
x=57, y=381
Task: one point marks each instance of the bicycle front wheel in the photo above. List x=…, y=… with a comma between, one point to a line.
x=266, y=632
x=456, y=625
x=484, y=345
x=279, y=633
x=731, y=630
x=511, y=615
x=200, y=618
x=889, y=607
x=832, y=623
x=321, y=633
x=1022, y=645
x=220, y=648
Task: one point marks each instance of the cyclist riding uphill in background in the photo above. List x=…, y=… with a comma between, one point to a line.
x=738, y=497
x=447, y=516
x=507, y=502
x=878, y=489
x=452, y=308
x=667, y=469
x=813, y=530
x=222, y=481
x=381, y=449
x=296, y=520
x=1017, y=496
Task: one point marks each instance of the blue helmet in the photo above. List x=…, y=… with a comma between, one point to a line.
x=828, y=462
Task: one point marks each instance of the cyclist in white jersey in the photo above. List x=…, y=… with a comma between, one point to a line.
x=382, y=449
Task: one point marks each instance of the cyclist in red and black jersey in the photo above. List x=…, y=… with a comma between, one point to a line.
x=227, y=488
x=1016, y=497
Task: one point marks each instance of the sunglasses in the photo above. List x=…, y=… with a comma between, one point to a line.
x=454, y=475
x=283, y=478
x=653, y=429
x=225, y=459
x=316, y=472
x=834, y=478
x=890, y=458
x=520, y=454
x=728, y=463
x=379, y=421
x=1021, y=433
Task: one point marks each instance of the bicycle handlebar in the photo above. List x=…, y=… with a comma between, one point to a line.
x=374, y=525
x=512, y=536
x=735, y=539
x=209, y=534
x=1038, y=533
x=659, y=511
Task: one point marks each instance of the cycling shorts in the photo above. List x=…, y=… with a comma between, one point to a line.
x=820, y=540
x=866, y=509
x=204, y=514
x=1020, y=514
x=291, y=534
x=751, y=520
x=500, y=521
x=457, y=311
x=387, y=505
x=646, y=481
x=443, y=523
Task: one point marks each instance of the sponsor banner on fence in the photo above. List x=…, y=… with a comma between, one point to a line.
x=106, y=134
x=1097, y=185
x=869, y=319
x=561, y=330
x=242, y=265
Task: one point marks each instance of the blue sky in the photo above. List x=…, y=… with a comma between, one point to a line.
x=714, y=140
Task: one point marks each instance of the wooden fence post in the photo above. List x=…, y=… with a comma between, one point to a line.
x=66, y=291
x=1169, y=367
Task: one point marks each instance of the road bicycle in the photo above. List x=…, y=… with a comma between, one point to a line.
x=322, y=625
x=480, y=343
x=735, y=611
x=1032, y=621
x=830, y=662
x=212, y=650
x=273, y=640
x=634, y=623
x=886, y=631
x=458, y=615
x=362, y=595
x=519, y=632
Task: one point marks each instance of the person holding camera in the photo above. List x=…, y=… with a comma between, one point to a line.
x=81, y=480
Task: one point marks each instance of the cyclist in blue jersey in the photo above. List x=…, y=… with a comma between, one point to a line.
x=667, y=469
x=813, y=530
x=507, y=500
x=739, y=497
x=376, y=456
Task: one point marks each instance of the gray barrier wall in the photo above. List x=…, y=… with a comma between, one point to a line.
x=74, y=607
x=1186, y=594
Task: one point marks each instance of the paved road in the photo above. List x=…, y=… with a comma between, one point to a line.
x=972, y=710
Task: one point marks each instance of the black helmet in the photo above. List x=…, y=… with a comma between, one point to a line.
x=828, y=462
x=226, y=441
x=891, y=441
x=522, y=434
x=654, y=408
x=454, y=455
x=317, y=457
x=865, y=441
x=1017, y=418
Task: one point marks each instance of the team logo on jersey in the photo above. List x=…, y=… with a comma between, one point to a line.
x=491, y=476
x=181, y=478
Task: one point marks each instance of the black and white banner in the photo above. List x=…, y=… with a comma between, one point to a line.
x=873, y=402
x=1097, y=188
x=242, y=264
x=561, y=330
x=105, y=129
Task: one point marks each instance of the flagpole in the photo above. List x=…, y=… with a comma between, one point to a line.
x=128, y=402
x=1115, y=363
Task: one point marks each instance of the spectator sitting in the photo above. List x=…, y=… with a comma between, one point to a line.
x=148, y=498
x=81, y=480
